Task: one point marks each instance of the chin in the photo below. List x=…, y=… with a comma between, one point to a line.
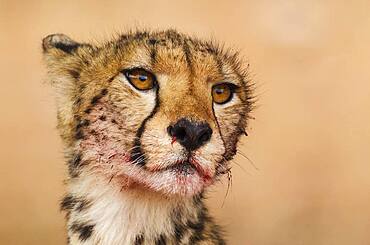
x=180, y=179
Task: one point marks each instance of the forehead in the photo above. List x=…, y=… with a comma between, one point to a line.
x=177, y=55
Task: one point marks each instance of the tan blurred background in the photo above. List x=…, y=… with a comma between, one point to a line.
x=310, y=140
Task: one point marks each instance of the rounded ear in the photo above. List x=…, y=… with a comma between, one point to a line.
x=61, y=42
x=64, y=57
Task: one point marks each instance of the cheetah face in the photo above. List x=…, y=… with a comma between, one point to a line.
x=159, y=111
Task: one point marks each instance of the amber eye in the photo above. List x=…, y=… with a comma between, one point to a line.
x=222, y=92
x=140, y=78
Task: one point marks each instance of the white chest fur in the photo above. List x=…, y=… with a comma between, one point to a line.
x=122, y=216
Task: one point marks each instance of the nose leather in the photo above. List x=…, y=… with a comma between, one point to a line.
x=190, y=134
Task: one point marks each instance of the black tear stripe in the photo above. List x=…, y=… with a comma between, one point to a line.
x=83, y=230
x=137, y=153
x=219, y=65
x=161, y=240
x=139, y=240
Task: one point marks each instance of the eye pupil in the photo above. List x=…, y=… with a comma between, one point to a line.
x=219, y=91
x=222, y=93
x=142, y=78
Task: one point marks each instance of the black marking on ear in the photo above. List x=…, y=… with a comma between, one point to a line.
x=161, y=240
x=139, y=240
x=137, y=153
x=83, y=230
x=61, y=42
x=68, y=48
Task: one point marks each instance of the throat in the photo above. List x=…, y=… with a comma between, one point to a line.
x=99, y=212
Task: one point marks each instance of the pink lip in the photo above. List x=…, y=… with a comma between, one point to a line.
x=202, y=171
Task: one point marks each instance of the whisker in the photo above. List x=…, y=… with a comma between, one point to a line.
x=229, y=185
x=240, y=166
x=250, y=161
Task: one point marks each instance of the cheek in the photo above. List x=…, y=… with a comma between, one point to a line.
x=231, y=125
x=110, y=129
x=132, y=107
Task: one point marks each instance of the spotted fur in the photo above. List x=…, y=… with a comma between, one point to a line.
x=122, y=186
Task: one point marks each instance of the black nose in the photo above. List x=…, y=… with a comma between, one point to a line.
x=191, y=135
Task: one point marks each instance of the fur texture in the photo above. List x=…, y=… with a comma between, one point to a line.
x=128, y=183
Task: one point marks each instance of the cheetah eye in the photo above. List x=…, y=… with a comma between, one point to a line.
x=223, y=92
x=140, y=78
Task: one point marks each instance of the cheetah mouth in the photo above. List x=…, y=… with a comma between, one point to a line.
x=184, y=168
x=188, y=168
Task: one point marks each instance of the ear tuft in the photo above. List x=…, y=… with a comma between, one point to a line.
x=61, y=42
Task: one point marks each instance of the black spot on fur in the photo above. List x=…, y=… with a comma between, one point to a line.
x=68, y=203
x=73, y=165
x=152, y=41
x=188, y=58
x=197, y=227
x=96, y=98
x=78, y=102
x=114, y=121
x=84, y=231
x=88, y=110
x=82, y=204
x=83, y=123
x=104, y=92
x=139, y=240
x=179, y=232
x=161, y=240
x=102, y=118
x=80, y=124
x=74, y=74
x=79, y=134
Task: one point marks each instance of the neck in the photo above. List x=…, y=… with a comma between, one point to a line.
x=100, y=212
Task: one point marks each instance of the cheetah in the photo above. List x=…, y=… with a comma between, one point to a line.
x=149, y=120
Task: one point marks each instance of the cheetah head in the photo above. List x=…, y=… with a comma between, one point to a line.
x=160, y=111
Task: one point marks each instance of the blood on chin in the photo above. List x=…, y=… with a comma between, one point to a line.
x=175, y=181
